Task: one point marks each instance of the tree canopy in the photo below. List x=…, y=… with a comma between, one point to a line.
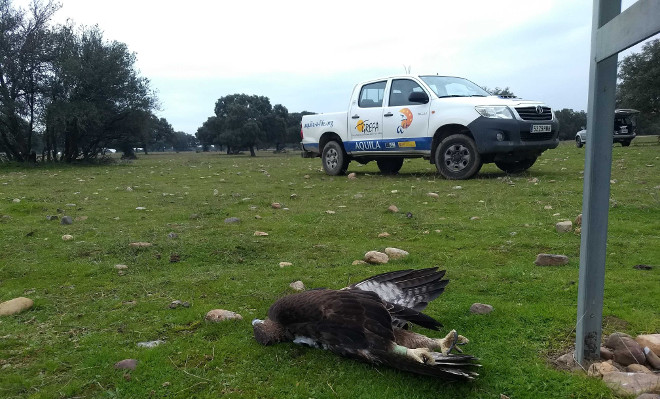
x=639, y=86
x=68, y=87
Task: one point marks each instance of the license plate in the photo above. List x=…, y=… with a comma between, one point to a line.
x=541, y=129
x=623, y=130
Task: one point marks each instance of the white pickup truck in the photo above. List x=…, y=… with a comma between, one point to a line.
x=450, y=121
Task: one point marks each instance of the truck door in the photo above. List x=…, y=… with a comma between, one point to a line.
x=365, y=118
x=405, y=122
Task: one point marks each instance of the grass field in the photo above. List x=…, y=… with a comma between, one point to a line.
x=87, y=316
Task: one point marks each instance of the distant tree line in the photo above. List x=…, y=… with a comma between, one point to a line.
x=246, y=122
x=68, y=94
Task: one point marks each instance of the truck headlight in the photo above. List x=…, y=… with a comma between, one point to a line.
x=497, y=112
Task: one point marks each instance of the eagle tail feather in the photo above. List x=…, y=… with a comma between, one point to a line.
x=449, y=367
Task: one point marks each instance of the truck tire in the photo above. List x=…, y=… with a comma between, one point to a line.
x=514, y=167
x=335, y=161
x=578, y=142
x=625, y=143
x=457, y=158
x=389, y=166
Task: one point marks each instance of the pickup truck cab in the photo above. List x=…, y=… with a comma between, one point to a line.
x=447, y=120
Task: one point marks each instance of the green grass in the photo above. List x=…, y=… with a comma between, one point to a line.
x=84, y=319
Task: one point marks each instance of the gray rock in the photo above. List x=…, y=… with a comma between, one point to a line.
x=567, y=362
x=630, y=355
x=648, y=396
x=150, y=344
x=297, y=285
x=650, y=340
x=126, y=364
x=175, y=304
x=52, y=217
x=66, y=220
x=564, y=227
x=480, y=308
x=606, y=354
x=550, y=260
x=393, y=209
x=217, y=315
x=172, y=235
x=375, y=257
x=396, y=253
x=15, y=306
x=632, y=383
x=618, y=340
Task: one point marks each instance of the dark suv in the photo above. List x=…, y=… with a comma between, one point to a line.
x=624, y=128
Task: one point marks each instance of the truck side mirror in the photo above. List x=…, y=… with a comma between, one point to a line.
x=418, y=97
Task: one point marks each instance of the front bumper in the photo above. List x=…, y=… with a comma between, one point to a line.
x=516, y=135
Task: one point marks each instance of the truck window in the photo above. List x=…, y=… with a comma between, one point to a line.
x=371, y=95
x=400, y=91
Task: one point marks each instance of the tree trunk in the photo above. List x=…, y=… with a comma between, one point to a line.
x=252, y=154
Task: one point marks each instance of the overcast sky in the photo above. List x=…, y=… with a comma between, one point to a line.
x=308, y=55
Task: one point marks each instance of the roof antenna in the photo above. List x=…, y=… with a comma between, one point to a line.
x=406, y=69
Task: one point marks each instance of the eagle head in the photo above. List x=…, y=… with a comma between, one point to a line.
x=267, y=332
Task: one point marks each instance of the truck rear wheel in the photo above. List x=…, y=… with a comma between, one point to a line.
x=457, y=158
x=335, y=161
x=578, y=142
x=389, y=166
x=514, y=167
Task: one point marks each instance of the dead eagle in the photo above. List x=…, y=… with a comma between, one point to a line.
x=368, y=321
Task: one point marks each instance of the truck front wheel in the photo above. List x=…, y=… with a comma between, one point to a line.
x=514, y=167
x=456, y=157
x=389, y=166
x=335, y=161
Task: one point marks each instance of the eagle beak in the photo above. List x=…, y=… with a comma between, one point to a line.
x=256, y=321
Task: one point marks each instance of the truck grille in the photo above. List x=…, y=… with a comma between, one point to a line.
x=531, y=114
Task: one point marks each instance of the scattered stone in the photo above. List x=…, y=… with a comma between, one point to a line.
x=409, y=215
x=358, y=196
x=174, y=258
x=217, y=315
x=393, y=209
x=433, y=195
x=257, y=217
x=139, y=244
x=550, y=260
x=457, y=187
x=547, y=207
x=126, y=364
x=52, y=217
x=652, y=358
x=141, y=208
x=71, y=205
x=297, y=285
x=394, y=191
x=129, y=189
x=600, y=369
x=638, y=368
x=293, y=196
x=352, y=176
x=564, y=227
x=606, y=353
x=276, y=205
x=286, y=264
x=630, y=354
x=172, y=235
x=375, y=257
x=329, y=212
x=175, y=304
x=66, y=220
x=260, y=233
x=194, y=216
x=15, y=306
x=396, y=253
x=16, y=200
x=632, y=383
x=121, y=267
x=533, y=180
x=480, y=308
x=306, y=176
x=567, y=362
x=150, y=344
x=384, y=234
x=359, y=262
x=650, y=340
x=67, y=237
x=648, y=396
x=615, y=340
x=578, y=220
x=475, y=218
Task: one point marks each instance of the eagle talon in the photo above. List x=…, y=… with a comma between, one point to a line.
x=422, y=355
x=448, y=343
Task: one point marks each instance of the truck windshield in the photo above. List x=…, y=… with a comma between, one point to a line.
x=449, y=86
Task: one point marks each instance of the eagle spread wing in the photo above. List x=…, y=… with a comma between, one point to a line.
x=360, y=323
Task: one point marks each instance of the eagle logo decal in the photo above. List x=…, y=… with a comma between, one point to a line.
x=406, y=120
